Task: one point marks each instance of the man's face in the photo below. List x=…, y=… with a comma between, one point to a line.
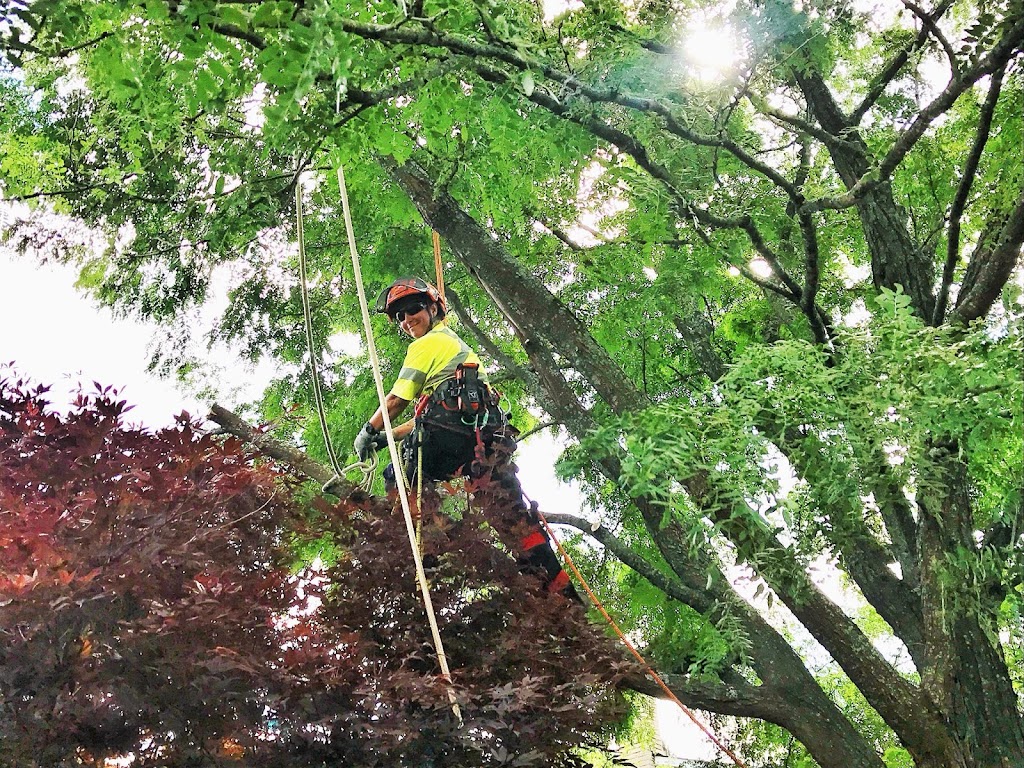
x=415, y=317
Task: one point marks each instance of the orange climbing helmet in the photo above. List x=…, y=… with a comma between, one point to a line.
x=406, y=287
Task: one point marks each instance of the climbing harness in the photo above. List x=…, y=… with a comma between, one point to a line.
x=393, y=450
x=629, y=646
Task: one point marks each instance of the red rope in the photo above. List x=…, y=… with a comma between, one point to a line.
x=647, y=667
x=438, y=268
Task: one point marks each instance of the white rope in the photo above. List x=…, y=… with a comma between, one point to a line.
x=421, y=577
x=307, y=320
x=368, y=469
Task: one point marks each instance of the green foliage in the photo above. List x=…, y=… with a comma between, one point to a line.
x=896, y=386
x=647, y=202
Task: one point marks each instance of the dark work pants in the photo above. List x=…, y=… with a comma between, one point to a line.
x=450, y=450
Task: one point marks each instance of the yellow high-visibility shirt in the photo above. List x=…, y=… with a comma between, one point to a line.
x=430, y=360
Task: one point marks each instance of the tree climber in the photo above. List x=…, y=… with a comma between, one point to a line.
x=456, y=413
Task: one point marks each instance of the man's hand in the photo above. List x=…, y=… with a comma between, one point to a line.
x=369, y=440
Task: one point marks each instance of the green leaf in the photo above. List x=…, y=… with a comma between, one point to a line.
x=528, y=84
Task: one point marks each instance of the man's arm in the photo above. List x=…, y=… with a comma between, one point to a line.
x=395, y=406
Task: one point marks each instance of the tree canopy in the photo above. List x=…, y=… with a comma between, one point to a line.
x=777, y=312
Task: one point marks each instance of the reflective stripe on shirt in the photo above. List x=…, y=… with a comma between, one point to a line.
x=430, y=360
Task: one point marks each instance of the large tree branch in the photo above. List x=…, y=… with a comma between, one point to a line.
x=812, y=277
x=863, y=556
x=895, y=258
x=996, y=59
x=893, y=68
x=781, y=672
x=990, y=267
x=737, y=698
x=963, y=191
x=525, y=375
x=524, y=299
x=696, y=332
x=903, y=706
x=772, y=658
x=234, y=424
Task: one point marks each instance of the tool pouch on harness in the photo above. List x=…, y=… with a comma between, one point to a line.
x=465, y=393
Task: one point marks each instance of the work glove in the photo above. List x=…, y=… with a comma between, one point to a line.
x=369, y=440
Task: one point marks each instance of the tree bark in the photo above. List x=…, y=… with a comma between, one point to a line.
x=990, y=267
x=864, y=557
x=523, y=298
x=966, y=676
x=235, y=425
x=895, y=258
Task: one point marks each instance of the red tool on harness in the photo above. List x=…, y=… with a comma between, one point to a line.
x=470, y=393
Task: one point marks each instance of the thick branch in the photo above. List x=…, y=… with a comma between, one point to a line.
x=808, y=297
x=991, y=267
x=738, y=699
x=895, y=257
x=275, y=449
x=963, y=191
x=881, y=82
x=525, y=375
x=524, y=299
x=897, y=700
x=696, y=332
x=992, y=62
x=873, y=177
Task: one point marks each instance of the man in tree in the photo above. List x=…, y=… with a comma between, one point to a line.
x=458, y=428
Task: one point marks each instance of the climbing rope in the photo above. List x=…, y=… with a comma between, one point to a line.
x=318, y=396
x=368, y=469
x=636, y=654
x=419, y=493
x=396, y=462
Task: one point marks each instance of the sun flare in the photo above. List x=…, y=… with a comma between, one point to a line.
x=711, y=50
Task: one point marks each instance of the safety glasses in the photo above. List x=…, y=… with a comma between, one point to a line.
x=404, y=312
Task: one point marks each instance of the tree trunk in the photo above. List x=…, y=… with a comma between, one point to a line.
x=966, y=675
x=523, y=299
x=895, y=258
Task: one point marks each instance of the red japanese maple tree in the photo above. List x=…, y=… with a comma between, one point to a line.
x=149, y=607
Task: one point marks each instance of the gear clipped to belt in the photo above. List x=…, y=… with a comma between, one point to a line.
x=465, y=393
